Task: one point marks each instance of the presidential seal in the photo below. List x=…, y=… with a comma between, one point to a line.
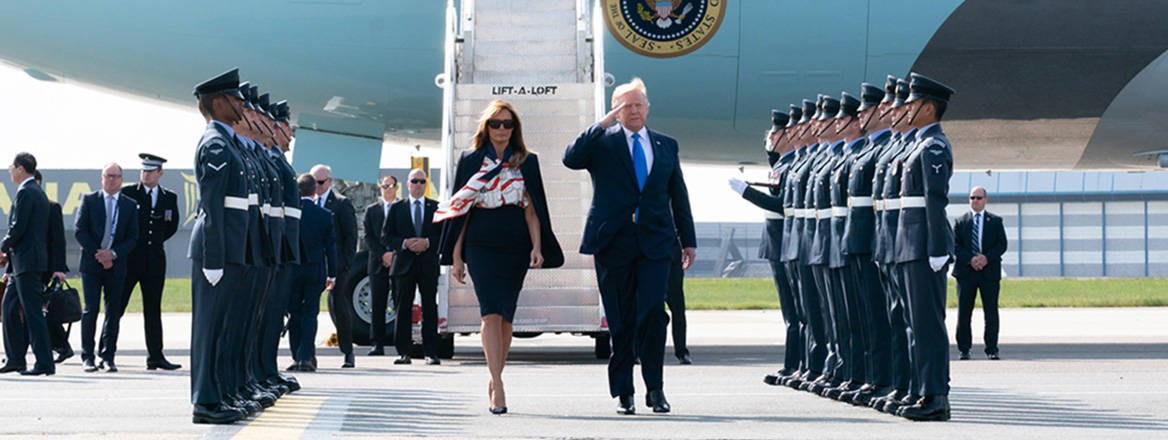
x=663, y=28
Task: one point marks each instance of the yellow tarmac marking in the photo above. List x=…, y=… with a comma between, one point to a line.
x=287, y=419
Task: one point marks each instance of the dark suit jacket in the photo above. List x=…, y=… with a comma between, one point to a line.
x=155, y=225
x=26, y=243
x=374, y=221
x=468, y=164
x=400, y=226
x=345, y=225
x=318, y=239
x=90, y=227
x=993, y=245
x=56, y=239
x=664, y=206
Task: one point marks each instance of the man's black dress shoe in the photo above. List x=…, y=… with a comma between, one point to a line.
x=964, y=356
x=264, y=398
x=162, y=364
x=685, y=359
x=108, y=366
x=433, y=360
x=350, y=362
x=88, y=366
x=307, y=366
x=930, y=408
x=402, y=360
x=656, y=400
x=295, y=366
x=771, y=379
x=377, y=350
x=993, y=357
x=63, y=354
x=39, y=371
x=10, y=368
x=290, y=382
x=890, y=402
x=625, y=405
x=218, y=414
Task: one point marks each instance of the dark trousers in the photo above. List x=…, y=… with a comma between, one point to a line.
x=255, y=331
x=898, y=334
x=857, y=323
x=152, y=283
x=427, y=287
x=967, y=289
x=926, y=311
x=94, y=284
x=633, y=290
x=275, y=308
x=379, y=292
x=58, y=337
x=873, y=307
x=675, y=298
x=25, y=292
x=793, y=342
x=815, y=342
x=341, y=311
x=835, y=321
x=231, y=371
x=209, y=306
x=307, y=282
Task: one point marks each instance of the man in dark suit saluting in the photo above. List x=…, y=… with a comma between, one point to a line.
x=107, y=229
x=979, y=243
x=410, y=233
x=379, y=260
x=640, y=207
x=25, y=247
x=345, y=226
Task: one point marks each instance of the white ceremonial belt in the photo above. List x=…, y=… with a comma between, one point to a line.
x=800, y=213
x=277, y=212
x=292, y=212
x=266, y=209
x=912, y=202
x=821, y=214
x=891, y=204
x=253, y=199
x=879, y=205
x=235, y=203
x=790, y=212
x=839, y=211
x=773, y=215
x=860, y=202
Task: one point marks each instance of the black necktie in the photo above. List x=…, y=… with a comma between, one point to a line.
x=417, y=218
x=976, y=233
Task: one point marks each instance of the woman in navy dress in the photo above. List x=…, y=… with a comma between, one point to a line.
x=496, y=228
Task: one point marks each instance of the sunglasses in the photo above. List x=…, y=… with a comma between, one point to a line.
x=321, y=182
x=976, y=197
x=388, y=185
x=504, y=123
x=418, y=181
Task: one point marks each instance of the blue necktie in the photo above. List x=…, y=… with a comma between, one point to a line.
x=640, y=165
x=976, y=234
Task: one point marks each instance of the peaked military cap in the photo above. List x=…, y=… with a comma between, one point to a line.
x=266, y=106
x=282, y=111
x=924, y=87
x=795, y=115
x=830, y=107
x=253, y=98
x=849, y=105
x=901, y=93
x=151, y=162
x=778, y=119
x=870, y=96
x=890, y=88
x=808, y=110
x=226, y=82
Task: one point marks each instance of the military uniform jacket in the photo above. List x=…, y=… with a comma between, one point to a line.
x=819, y=154
x=821, y=194
x=891, y=197
x=26, y=242
x=860, y=224
x=291, y=194
x=839, y=200
x=258, y=247
x=219, y=236
x=925, y=231
x=772, y=236
x=156, y=224
x=273, y=206
x=793, y=223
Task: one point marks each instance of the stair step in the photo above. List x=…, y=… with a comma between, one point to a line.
x=472, y=107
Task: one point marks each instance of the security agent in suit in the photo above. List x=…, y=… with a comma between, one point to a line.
x=276, y=306
x=410, y=233
x=781, y=156
x=924, y=245
x=317, y=272
x=980, y=241
x=158, y=218
x=107, y=229
x=24, y=249
x=218, y=248
x=57, y=270
x=345, y=225
x=640, y=207
x=380, y=260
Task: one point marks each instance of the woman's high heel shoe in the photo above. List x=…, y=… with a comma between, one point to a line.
x=496, y=410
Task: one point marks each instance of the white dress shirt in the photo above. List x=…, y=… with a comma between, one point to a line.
x=645, y=146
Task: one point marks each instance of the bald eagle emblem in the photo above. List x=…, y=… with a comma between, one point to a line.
x=665, y=12
x=663, y=28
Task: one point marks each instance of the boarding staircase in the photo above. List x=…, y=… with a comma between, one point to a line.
x=539, y=55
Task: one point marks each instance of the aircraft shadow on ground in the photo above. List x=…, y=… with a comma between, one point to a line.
x=1000, y=407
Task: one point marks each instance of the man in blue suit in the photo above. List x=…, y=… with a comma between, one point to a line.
x=25, y=247
x=640, y=207
x=107, y=229
x=317, y=272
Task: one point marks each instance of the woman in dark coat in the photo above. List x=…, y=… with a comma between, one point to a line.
x=497, y=227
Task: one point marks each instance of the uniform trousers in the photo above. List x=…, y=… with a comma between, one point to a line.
x=856, y=347
x=152, y=283
x=275, y=308
x=926, y=310
x=792, y=342
x=873, y=308
x=898, y=334
x=209, y=306
x=231, y=369
x=816, y=346
x=835, y=320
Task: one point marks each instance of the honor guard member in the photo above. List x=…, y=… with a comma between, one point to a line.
x=846, y=128
x=815, y=342
x=218, y=243
x=924, y=245
x=818, y=236
x=279, y=294
x=157, y=221
x=275, y=188
x=778, y=154
x=858, y=240
x=788, y=251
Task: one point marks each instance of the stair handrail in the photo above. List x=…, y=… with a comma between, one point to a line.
x=448, y=88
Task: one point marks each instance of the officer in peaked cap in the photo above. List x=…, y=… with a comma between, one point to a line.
x=796, y=246
x=924, y=244
x=808, y=110
x=158, y=219
x=218, y=242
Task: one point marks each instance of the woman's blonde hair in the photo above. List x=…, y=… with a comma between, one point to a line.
x=482, y=138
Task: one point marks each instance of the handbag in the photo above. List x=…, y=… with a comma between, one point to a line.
x=62, y=303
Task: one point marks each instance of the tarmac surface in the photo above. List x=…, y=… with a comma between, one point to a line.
x=1066, y=373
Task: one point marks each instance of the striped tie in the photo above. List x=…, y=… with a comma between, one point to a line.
x=976, y=234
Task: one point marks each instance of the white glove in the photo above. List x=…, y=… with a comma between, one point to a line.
x=737, y=185
x=213, y=275
x=938, y=262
